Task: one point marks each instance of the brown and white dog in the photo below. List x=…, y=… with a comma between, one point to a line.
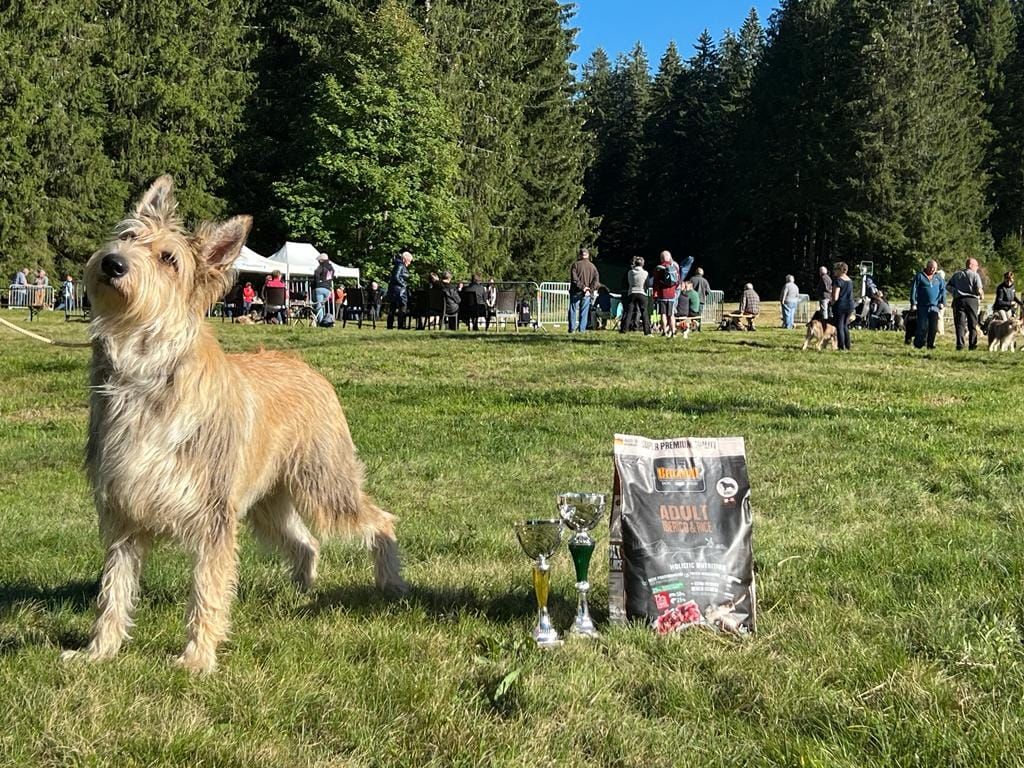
x=1002, y=332
x=186, y=441
x=820, y=332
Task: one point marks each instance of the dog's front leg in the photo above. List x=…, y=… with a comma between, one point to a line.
x=119, y=589
x=213, y=589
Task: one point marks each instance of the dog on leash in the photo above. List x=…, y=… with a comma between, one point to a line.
x=186, y=441
x=1002, y=332
x=819, y=332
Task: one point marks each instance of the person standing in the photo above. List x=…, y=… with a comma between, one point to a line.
x=842, y=304
x=323, y=282
x=965, y=288
x=490, y=303
x=701, y=286
x=583, y=282
x=928, y=294
x=666, y=283
x=823, y=290
x=248, y=297
x=789, y=299
x=452, y=300
x=636, y=298
x=398, y=290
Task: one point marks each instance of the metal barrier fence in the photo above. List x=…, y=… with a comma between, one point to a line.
x=24, y=296
x=552, y=304
x=803, y=309
x=711, y=312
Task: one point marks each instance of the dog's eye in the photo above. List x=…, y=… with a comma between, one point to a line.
x=128, y=235
x=168, y=258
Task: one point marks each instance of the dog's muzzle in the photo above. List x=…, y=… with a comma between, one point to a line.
x=114, y=266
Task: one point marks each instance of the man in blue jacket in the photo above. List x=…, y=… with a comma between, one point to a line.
x=928, y=294
x=398, y=289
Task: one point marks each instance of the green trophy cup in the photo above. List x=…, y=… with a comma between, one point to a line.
x=539, y=539
x=581, y=512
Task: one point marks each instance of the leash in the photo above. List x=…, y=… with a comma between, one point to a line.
x=37, y=337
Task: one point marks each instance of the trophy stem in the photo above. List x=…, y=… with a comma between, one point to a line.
x=544, y=633
x=582, y=547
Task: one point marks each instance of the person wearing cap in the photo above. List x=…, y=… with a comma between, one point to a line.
x=323, y=280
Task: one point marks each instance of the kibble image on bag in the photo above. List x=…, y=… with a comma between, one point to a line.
x=680, y=551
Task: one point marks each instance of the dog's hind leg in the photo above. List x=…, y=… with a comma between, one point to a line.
x=276, y=523
x=119, y=590
x=213, y=589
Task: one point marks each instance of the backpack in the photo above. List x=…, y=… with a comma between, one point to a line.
x=670, y=275
x=327, y=321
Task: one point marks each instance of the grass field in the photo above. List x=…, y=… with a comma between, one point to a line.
x=887, y=491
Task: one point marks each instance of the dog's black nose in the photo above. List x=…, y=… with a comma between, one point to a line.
x=114, y=265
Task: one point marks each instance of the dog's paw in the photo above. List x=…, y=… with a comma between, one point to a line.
x=72, y=657
x=396, y=590
x=195, y=662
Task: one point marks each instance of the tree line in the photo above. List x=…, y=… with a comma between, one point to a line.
x=888, y=131
x=365, y=126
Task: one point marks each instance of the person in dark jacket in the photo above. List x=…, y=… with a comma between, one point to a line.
x=842, y=304
x=398, y=290
x=474, y=300
x=823, y=290
x=583, y=282
x=1006, y=295
x=451, y=301
x=323, y=281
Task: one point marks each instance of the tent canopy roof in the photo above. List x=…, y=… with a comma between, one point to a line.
x=301, y=259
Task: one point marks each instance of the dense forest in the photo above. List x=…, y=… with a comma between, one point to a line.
x=880, y=130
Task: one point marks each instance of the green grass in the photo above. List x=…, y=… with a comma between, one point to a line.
x=887, y=491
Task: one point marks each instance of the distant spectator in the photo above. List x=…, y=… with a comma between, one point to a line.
x=67, y=294
x=965, y=288
x=1006, y=295
x=490, y=302
x=398, y=290
x=451, y=301
x=476, y=307
x=248, y=297
x=583, y=282
x=42, y=281
x=339, y=301
x=701, y=286
x=842, y=304
x=666, y=284
x=692, y=300
x=374, y=299
x=20, y=277
x=750, y=305
x=823, y=290
x=636, y=298
x=928, y=294
x=275, y=281
x=881, y=312
x=789, y=299
x=323, y=281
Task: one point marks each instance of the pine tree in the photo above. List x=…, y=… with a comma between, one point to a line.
x=58, y=196
x=616, y=107
x=553, y=222
x=479, y=48
x=380, y=169
x=917, y=187
x=663, y=156
x=175, y=106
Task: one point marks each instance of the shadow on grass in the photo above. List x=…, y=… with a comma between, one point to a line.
x=77, y=595
x=444, y=604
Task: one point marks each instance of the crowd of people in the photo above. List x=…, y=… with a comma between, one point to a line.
x=29, y=288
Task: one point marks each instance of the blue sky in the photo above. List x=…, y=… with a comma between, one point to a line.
x=616, y=25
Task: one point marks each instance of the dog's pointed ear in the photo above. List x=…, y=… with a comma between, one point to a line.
x=223, y=242
x=158, y=202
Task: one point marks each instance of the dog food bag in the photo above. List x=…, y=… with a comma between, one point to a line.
x=680, y=541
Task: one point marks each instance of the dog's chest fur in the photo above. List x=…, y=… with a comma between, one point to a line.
x=155, y=457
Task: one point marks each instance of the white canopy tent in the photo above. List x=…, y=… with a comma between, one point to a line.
x=300, y=259
x=250, y=262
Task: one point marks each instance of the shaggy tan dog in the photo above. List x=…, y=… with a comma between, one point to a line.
x=185, y=441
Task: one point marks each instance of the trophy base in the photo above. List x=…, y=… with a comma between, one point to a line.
x=546, y=638
x=585, y=632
